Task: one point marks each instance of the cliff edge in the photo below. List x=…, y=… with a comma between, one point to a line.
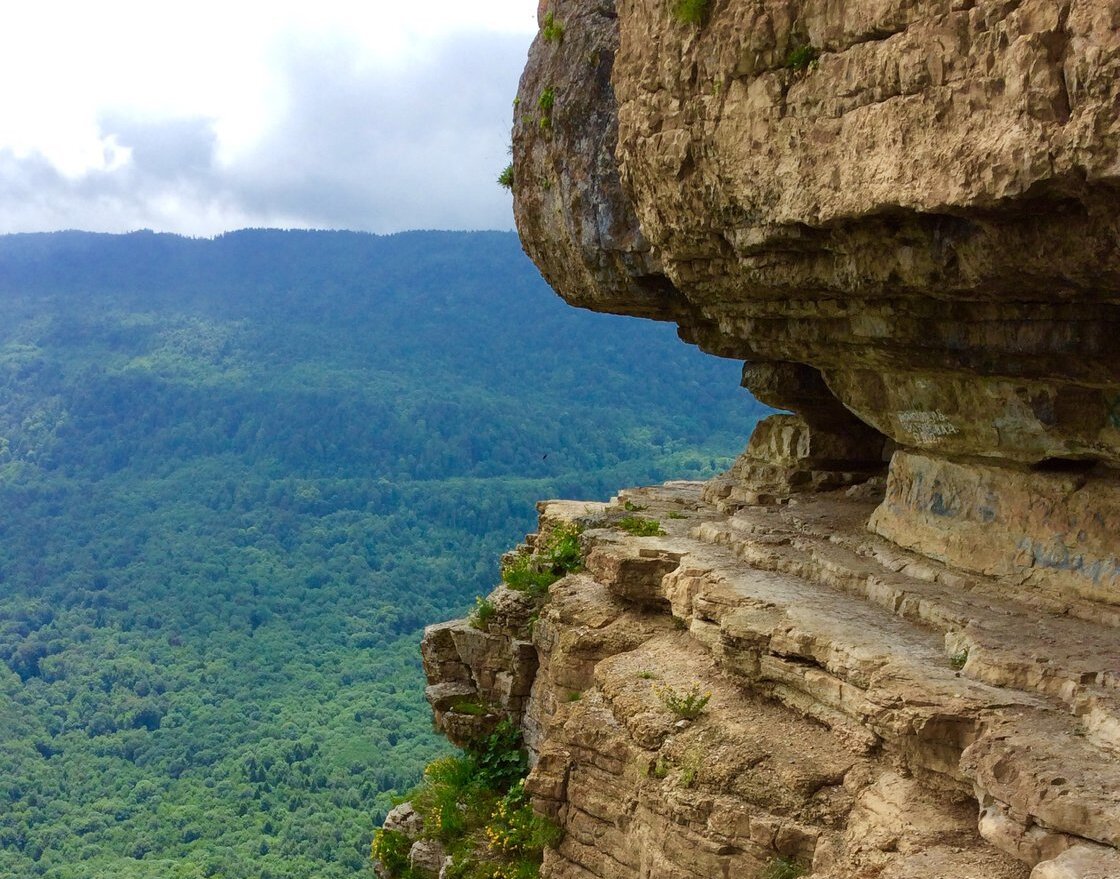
x=885, y=643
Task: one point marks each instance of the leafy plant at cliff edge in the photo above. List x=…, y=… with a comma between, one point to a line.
x=390, y=848
x=534, y=572
x=500, y=759
x=483, y=612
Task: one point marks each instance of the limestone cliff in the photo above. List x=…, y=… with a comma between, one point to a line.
x=904, y=216
x=872, y=713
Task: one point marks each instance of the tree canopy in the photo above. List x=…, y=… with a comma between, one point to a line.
x=239, y=476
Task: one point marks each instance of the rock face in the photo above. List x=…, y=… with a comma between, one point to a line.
x=869, y=712
x=903, y=214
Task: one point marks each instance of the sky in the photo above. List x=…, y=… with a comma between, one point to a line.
x=202, y=117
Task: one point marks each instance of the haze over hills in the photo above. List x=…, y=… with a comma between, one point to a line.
x=239, y=475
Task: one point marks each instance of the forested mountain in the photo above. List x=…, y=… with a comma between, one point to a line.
x=238, y=476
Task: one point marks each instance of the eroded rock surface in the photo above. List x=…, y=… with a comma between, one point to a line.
x=871, y=712
x=904, y=215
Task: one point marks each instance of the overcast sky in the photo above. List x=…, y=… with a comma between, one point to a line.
x=207, y=116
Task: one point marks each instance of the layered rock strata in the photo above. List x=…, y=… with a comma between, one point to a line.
x=871, y=712
x=904, y=215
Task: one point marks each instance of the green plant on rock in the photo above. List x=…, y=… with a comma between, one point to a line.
x=802, y=57
x=959, y=659
x=686, y=706
x=783, y=868
x=552, y=31
x=476, y=806
x=533, y=572
x=390, y=848
x=690, y=767
x=499, y=758
x=506, y=177
x=690, y=11
x=468, y=705
x=640, y=527
x=451, y=798
x=545, y=103
x=515, y=828
x=483, y=613
x=562, y=551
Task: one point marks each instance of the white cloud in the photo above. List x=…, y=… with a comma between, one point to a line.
x=197, y=118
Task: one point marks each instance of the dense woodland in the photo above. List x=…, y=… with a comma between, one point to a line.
x=238, y=477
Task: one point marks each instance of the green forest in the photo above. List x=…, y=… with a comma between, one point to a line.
x=239, y=475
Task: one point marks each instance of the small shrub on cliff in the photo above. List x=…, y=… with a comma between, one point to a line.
x=506, y=177
x=477, y=807
x=802, y=57
x=545, y=103
x=640, y=527
x=390, y=848
x=690, y=767
x=686, y=706
x=451, y=798
x=690, y=11
x=500, y=760
x=535, y=572
x=552, y=31
x=483, y=612
x=516, y=829
x=562, y=551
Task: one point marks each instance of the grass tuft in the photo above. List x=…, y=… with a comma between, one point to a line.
x=552, y=31
x=534, y=572
x=802, y=57
x=690, y=11
x=483, y=612
x=783, y=868
x=640, y=527
x=686, y=706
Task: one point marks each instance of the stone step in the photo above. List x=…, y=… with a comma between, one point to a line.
x=1029, y=645
x=951, y=673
